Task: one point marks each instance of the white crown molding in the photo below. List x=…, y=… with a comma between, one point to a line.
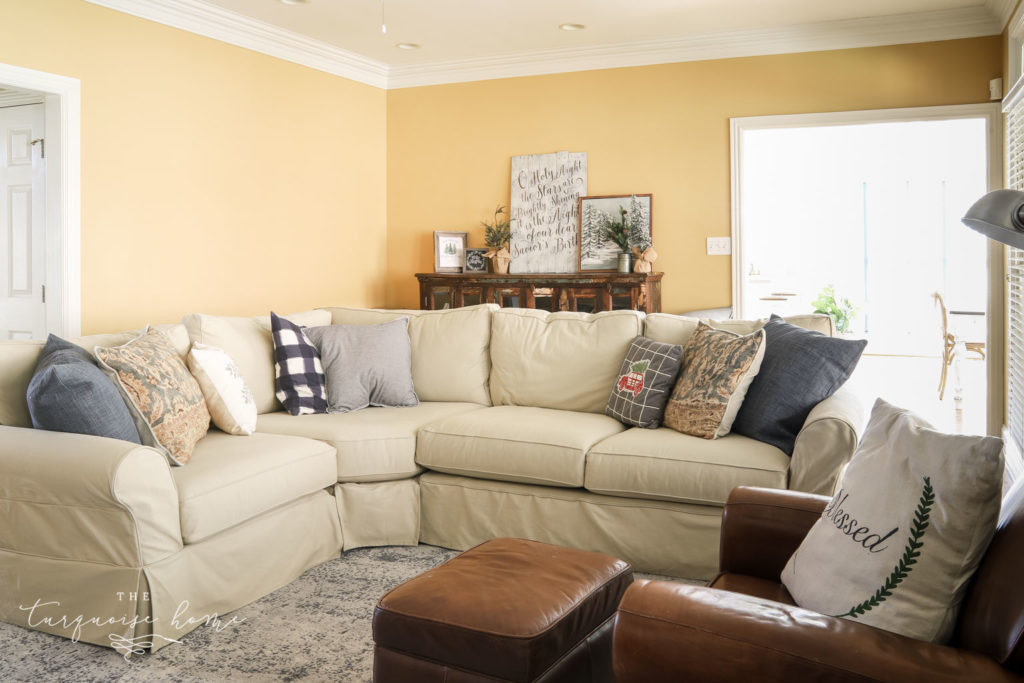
x=215, y=22
x=1001, y=10
x=970, y=22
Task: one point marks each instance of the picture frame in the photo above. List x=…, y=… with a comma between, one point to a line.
x=595, y=253
x=449, y=251
x=476, y=261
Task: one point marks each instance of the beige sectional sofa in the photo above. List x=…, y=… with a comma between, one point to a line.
x=102, y=541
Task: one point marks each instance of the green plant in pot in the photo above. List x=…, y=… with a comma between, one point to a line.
x=617, y=231
x=841, y=310
x=497, y=236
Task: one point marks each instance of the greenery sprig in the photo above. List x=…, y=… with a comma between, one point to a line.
x=497, y=234
x=910, y=554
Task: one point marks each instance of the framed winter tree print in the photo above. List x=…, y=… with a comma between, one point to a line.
x=449, y=251
x=611, y=225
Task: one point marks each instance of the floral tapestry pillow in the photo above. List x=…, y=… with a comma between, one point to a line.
x=164, y=398
x=228, y=398
x=898, y=544
x=718, y=367
x=643, y=384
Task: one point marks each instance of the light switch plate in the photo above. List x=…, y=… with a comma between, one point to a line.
x=719, y=246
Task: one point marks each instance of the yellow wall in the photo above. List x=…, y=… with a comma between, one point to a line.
x=661, y=129
x=213, y=178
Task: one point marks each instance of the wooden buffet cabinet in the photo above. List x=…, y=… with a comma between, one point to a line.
x=584, y=292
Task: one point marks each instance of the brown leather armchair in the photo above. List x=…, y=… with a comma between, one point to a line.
x=745, y=626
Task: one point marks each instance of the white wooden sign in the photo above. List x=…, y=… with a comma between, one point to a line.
x=544, y=211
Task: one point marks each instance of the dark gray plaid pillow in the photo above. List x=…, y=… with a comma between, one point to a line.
x=645, y=381
x=298, y=373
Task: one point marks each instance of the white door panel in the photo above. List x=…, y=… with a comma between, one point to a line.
x=22, y=224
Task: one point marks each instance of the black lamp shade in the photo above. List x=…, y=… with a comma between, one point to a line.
x=999, y=215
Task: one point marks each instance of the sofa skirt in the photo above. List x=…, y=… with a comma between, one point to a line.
x=137, y=608
x=379, y=513
x=672, y=539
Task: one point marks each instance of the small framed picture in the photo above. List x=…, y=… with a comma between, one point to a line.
x=611, y=225
x=449, y=251
x=476, y=262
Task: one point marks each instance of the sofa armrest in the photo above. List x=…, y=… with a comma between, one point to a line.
x=669, y=632
x=826, y=442
x=86, y=498
x=761, y=529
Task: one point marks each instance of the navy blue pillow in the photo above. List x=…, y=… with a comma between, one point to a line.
x=69, y=393
x=801, y=368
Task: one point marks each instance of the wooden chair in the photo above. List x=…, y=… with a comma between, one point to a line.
x=949, y=342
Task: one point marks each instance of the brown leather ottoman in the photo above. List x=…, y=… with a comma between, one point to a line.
x=506, y=610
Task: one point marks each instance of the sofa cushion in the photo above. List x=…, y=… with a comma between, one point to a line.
x=441, y=341
x=231, y=480
x=662, y=464
x=565, y=361
x=69, y=393
x=375, y=444
x=676, y=329
x=514, y=443
x=248, y=342
x=366, y=365
x=18, y=362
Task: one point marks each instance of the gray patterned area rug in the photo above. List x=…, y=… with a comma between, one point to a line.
x=317, y=628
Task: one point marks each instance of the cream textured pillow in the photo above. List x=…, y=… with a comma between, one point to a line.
x=164, y=399
x=717, y=370
x=897, y=546
x=228, y=399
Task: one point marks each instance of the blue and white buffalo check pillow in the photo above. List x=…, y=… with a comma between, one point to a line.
x=298, y=373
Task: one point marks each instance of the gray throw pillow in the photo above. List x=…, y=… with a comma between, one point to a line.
x=69, y=393
x=801, y=368
x=366, y=365
x=644, y=383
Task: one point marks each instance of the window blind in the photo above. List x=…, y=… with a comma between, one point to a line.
x=1014, y=143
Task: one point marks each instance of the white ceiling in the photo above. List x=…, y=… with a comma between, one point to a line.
x=473, y=39
x=473, y=29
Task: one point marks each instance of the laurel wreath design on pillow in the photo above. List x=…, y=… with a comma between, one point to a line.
x=910, y=554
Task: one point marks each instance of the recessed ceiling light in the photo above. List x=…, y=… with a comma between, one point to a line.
x=295, y=2
x=407, y=46
x=571, y=27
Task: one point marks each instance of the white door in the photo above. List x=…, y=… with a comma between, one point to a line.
x=22, y=223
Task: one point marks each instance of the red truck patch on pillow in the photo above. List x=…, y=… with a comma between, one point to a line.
x=633, y=381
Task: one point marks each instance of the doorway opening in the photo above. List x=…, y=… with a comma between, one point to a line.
x=61, y=202
x=858, y=214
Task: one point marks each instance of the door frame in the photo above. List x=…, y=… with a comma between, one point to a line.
x=991, y=112
x=61, y=96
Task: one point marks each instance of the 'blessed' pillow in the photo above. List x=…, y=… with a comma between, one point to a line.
x=897, y=546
